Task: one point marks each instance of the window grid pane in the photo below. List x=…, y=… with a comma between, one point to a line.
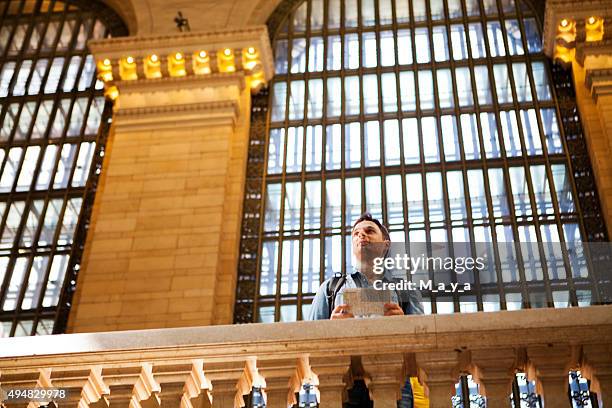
x=410, y=102
x=51, y=148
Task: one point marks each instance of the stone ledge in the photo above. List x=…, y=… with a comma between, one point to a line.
x=590, y=325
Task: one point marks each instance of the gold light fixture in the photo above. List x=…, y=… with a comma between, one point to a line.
x=251, y=50
x=129, y=60
x=201, y=63
x=202, y=54
x=106, y=62
x=591, y=20
x=152, y=66
x=564, y=23
x=594, y=28
x=227, y=52
x=176, y=65
x=178, y=56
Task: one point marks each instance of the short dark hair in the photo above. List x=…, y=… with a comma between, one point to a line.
x=368, y=217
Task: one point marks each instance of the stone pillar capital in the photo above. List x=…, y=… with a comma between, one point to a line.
x=182, y=79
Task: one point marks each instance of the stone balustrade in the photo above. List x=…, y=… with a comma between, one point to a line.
x=217, y=365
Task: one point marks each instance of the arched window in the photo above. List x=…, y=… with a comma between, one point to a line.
x=54, y=123
x=440, y=117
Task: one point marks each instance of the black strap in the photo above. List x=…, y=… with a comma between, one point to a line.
x=334, y=286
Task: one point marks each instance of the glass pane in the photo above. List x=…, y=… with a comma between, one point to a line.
x=350, y=13
x=298, y=56
x=532, y=35
x=26, y=175
x=272, y=215
x=551, y=131
x=502, y=83
x=459, y=42
x=351, y=96
x=414, y=192
x=392, y=142
x=289, y=267
x=435, y=198
x=316, y=15
x=440, y=43
x=563, y=188
x=372, y=144
x=512, y=140
x=540, y=77
x=533, y=143
x=498, y=192
x=410, y=130
x=477, y=42
x=315, y=98
x=333, y=13
x=445, y=88
x=333, y=147
x=477, y=197
x=520, y=191
x=35, y=282
x=483, y=85
x=311, y=266
x=515, y=42
x=316, y=55
x=267, y=278
x=387, y=48
x=281, y=57
x=51, y=220
x=334, y=97
x=541, y=190
x=367, y=13
x=373, y=194
x=404, y=47
x=490, y=137
x=421, y=41
x=456, y=195
x=312, y=205
x=296, y=100
x=352, y=145
x=452, y=151
x=394, y=199
x=389, y=92
x=370, y=93
x=464, y=86
x=370, y=49
x=426, y=92
x=353, y=199
x=295, y=142
x=496, y=39
x=402, y=11
x=333, y=204
x=521, y=81
x=351, y=51
x=314, y=143
x=430, y=140
x=334, y=52
x=408, y=91
x=471, y=144
x=279, y=98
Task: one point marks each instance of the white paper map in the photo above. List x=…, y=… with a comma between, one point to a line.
x=365, y=302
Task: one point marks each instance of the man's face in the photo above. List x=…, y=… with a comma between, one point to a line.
x=368, y=241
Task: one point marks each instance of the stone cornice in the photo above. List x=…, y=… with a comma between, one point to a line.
x=599, y=81
x=187, y=82
x=189, y=42
x=570, y=9
x=598, y=48
x=218, y=113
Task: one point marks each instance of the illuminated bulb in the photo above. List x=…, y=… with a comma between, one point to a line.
x=251, y=50
x=592, y=20
x=202, y=54
x=130, y=60
x=564, y=22
x=154, y=58
x=227, y=52
x=106, y=62
x=178, y=56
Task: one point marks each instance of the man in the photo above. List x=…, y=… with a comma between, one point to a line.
x=370, y=239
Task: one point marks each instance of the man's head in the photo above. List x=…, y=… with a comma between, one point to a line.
x=370, y=239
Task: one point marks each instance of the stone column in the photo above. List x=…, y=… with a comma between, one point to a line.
x=278, y=375
x=438, y=372
x=552, y=364
x=332, y=373
x=162, y=248
x=495, y=373
x=385, y=376
x=599, y=358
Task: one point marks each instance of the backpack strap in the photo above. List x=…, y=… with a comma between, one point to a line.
x=333, y=287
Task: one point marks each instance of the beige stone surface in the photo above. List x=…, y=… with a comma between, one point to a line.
x=162, y=248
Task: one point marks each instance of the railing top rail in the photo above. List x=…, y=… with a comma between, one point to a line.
x=390, y=334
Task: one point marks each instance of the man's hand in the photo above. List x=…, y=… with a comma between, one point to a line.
x=341, y=312
x=393, y=309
